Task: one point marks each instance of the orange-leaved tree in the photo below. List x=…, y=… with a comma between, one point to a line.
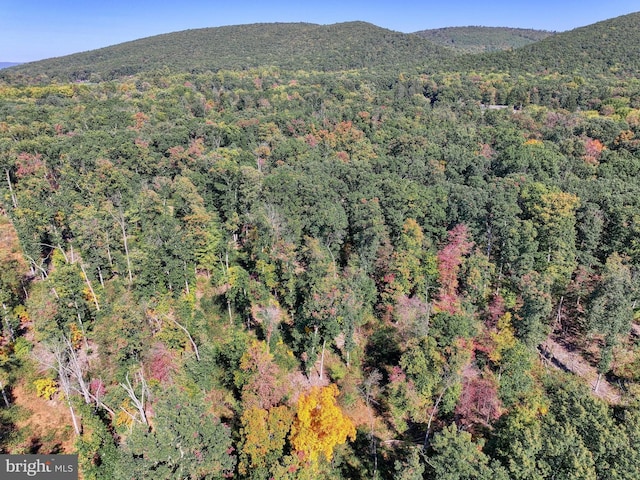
x=320, y=424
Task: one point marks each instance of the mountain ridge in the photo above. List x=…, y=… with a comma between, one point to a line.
x=609, y=46
x=341, y=46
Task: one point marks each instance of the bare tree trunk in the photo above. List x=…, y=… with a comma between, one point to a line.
x=597, y=385
x=6, y=319
x=109, y=250
x=226, y=264
x=193, y=344
x=371, y=382
x=186, y=280
x=32, y=262
x=4, y=395
x=93, y=294
x=100, y=276
x=14, y=200
x=324, y=344
x=315, y=336
x=126, y=250
x=101, y=404
x=76, y=426
x=427, y=319
x=433, y=412
x=65, y=384
x=138, y=402
x=64, y=254
x=123, y=228
x=75, y=369
x=84, y=334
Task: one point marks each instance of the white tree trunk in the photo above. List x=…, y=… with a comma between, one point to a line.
x=138, y=401
x=4, y=395
x=324, y=344
x=193, y=344
x=14, y=200
x=93, y=294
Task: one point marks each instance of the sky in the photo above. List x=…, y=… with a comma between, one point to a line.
x=36, y=29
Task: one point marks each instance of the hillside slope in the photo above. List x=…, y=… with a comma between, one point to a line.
x=605, y=47
x=483, y=39
x=286, y=45
x=610, y=46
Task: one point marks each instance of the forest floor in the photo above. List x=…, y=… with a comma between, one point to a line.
x=48, y=425
x=563, y=355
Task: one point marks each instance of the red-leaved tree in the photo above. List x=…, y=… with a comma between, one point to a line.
x=479, y=403
x=449, y=261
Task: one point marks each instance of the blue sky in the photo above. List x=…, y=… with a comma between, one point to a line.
x=36, y=29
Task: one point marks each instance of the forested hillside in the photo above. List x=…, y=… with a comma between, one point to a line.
x=284, y=272
x=483, y=39
x=604, y=48
x=293, y=46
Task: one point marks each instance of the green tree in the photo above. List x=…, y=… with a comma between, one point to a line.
x=320, y=312
x=455, y=456
x=610, y=308
x=532, y=319
x=412, y=468
x=517, y=443
x=96, y=448
x=368, y=230
x=553, y=214
x=185, y=441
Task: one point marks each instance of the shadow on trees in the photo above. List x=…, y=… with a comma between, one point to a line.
x=383, y=350
x=372, y=459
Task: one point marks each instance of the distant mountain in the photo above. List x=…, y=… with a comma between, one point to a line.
x=294, y=46
x=8, y=64
x=483, y=39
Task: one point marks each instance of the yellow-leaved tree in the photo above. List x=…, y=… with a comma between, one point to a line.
x=320, y=424
x=264, y=435
x=504, y=338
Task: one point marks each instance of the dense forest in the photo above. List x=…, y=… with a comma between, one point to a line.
x=483, y=39
x=336, y=268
